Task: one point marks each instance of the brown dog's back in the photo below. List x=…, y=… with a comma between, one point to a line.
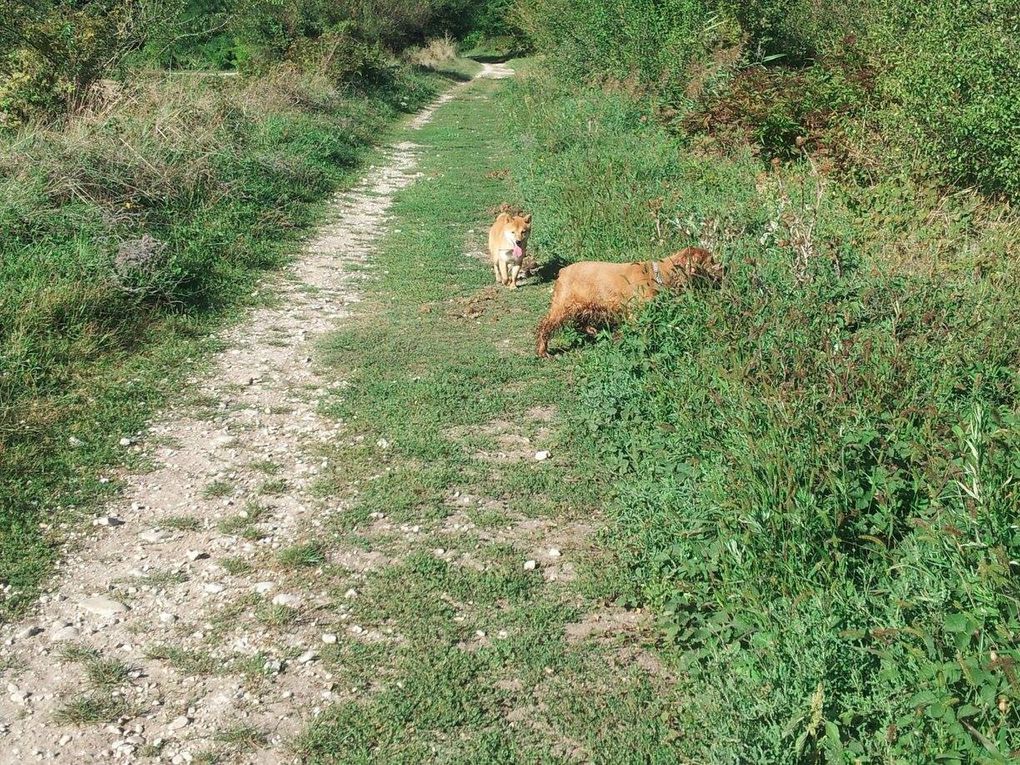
x=608, y=285
x=608, y=290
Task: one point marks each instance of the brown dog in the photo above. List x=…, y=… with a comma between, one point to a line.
x=589, y=294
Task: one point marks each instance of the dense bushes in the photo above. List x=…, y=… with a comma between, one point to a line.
x=942, y=79
x=814, y=468
x=54, y=51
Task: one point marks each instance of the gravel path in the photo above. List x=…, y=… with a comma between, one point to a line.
x=162, y=619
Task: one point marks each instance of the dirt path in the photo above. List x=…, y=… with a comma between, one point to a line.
x=162, y=630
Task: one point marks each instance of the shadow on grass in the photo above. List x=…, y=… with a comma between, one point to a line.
x=497, y=58
x=547, y=271
x=446, y=74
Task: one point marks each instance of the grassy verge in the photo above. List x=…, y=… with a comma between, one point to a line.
x=128, y=235
x=459, y=652
x=815, y=466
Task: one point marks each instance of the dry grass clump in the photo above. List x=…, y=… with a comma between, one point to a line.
x=438, y=51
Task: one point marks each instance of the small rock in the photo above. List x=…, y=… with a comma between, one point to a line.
x=101, y=606
x=307, y=656
x=167, y=618
x=329, y=638
x=107, y=520
x=214, y=588
x=283, y=599
x=263, y=587
x=153, y=536
x=530, y=565
x=126, y=442
x=20, y=697
x=64, y=740
x=554, y=552
x=74, y=441
x=64, y=633
x=178, y=723
x=194, y=555
x=382, y=443
x=351, y=594
x=542, y=455
x=28, y=632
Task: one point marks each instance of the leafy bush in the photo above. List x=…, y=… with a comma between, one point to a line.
x=650, y=45
x=930, y=87
x=54, y=52
x=952, y=81
x=814, y=468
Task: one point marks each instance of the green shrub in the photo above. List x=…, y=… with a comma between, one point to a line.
x=55, y=52
x=929, y=87
x=952, y=81
x=649, y=45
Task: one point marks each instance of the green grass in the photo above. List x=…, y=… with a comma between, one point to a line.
x=101, y=703
x=235, y=566
x=217, y=489
x=87, y=354
x=182, y=523
x=304, y=555
x=185, y=661
x=241, y=738
x=436, y=387
x=273, y=487
x=277, y=616
x=92, y=708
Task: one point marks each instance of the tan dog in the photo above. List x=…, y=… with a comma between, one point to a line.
x=508, y=238
x=590, y=294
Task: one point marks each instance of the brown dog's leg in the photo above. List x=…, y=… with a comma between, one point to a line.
x=545, y=330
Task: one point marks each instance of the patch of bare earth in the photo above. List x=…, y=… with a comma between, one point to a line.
x=215, y=635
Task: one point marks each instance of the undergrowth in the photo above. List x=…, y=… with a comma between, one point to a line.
x=813, y=468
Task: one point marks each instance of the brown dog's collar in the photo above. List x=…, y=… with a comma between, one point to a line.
x=657, y=274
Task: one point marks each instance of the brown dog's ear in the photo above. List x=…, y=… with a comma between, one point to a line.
x=527, y=219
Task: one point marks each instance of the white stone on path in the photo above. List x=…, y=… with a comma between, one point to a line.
x=101, y=606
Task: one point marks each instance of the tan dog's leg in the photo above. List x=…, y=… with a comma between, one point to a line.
x=501, y=275
x=515, y=271
x=495, y=269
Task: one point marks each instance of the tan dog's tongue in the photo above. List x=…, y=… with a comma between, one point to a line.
x=518, y=252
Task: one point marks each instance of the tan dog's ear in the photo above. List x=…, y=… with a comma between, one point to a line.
x=527, y=219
